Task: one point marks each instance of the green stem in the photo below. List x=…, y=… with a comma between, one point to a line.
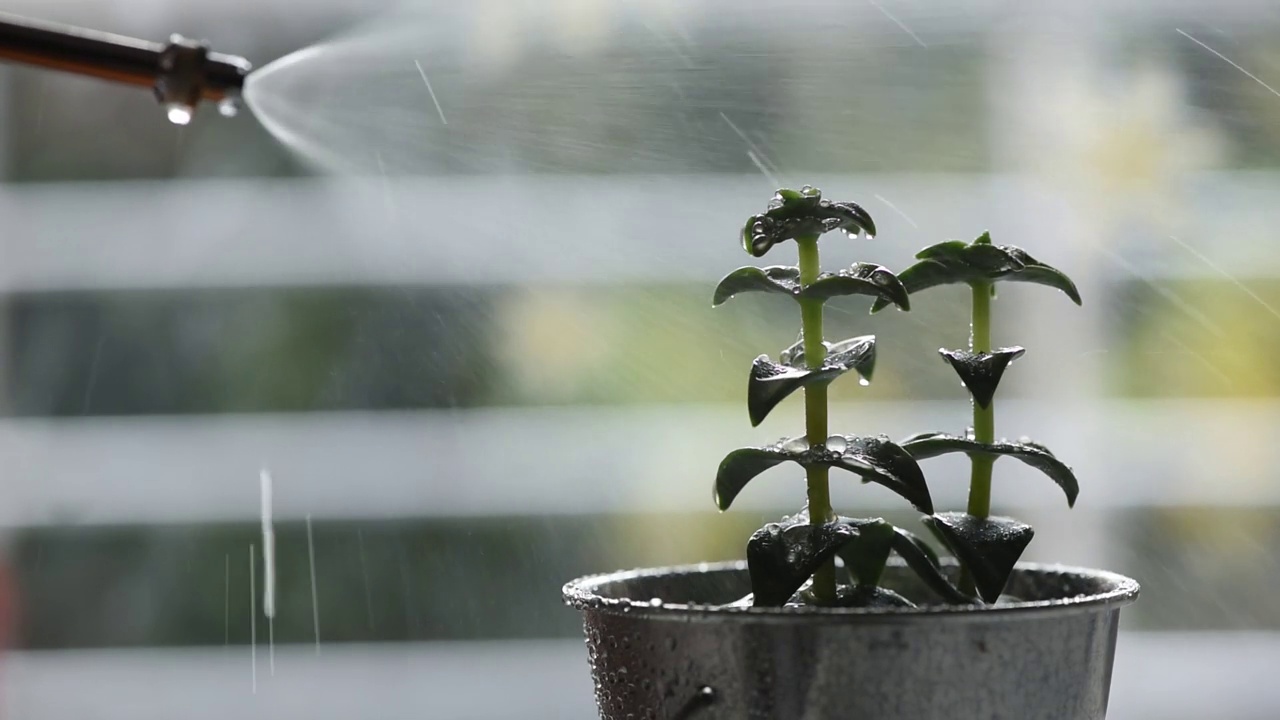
x=815, y=411
x=984, y=423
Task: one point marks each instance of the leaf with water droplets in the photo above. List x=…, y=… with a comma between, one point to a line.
x=954, y=262
x=779, y=279
x=861, y=279
x=770, y=383
x=782, y=556
x=981, y=372
x=883, y=462
x=875, y=459
x=988, y=547
x=865, y=555
x=742, y=466
x=800, y=213
x=924, y=562
x=932, y=444
x=1034, y=271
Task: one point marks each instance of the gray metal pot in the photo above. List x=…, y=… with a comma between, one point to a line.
x=660, y=649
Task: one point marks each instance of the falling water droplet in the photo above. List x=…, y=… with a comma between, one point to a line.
x=704, y=698
x=228, y=107
x=179, y=114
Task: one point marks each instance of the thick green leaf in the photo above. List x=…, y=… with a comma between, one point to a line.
x=929, y=445
x=954, y=262
x=981, y=372
x=988, y=547
x=881, y=461
x=924, y=562
x=773, y=279
x=862, y=348
x=770, y=383
x=865, y=555
x=861, y=279
x=876, y=459
x=742, y=466
x=793, y=214
x=782, y=556
x=1039, y=273
x=943, y=250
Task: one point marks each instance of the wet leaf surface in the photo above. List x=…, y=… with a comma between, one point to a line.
x=988, y=547
x=860, y=279
x=875, y=459
x=928, y=445
x=783, y=556
x=955, y=262
x=981, y=372
x=865, y=556
x=798, y=213
x=770, y=383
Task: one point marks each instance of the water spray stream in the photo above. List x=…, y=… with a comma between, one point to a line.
x=253, y=619
x=419, y=90
x=268, y=569
x=315, y=599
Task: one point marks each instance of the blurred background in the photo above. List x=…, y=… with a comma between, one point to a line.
x=451, y=287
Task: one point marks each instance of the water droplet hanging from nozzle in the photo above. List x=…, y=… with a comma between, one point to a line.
x=179, y=84
x=229, y=106
x=189, y=73
x=179, y=114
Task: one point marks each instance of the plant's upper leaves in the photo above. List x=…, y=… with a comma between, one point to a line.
x=924, y=562
x=932, y=444
x=797, y=213
x=861, y=279
x=779, y=279
x=980, y=261
x=981, y=372
x=876, y=459
x=770, y=383
x=988, y=547
x=1034, y=271
x=865, y=555
x=782, y=556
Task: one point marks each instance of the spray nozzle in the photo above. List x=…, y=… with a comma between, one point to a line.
x=181, y=74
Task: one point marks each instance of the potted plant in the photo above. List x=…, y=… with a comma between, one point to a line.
x=842, y=617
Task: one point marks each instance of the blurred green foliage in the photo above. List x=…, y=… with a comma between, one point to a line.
x=1196, y=338
x=125, y=353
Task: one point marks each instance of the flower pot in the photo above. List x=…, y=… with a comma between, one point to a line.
x=661, y=648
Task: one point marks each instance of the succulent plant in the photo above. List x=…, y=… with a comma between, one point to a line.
x=987, y=546
x=794, y=561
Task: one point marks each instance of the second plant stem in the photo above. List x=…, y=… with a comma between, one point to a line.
x=815, y=411
x=984, y=423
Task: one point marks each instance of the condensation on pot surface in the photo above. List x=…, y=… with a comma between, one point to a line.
x=1047, y=659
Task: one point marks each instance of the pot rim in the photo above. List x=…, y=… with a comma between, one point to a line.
x=582, y=594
